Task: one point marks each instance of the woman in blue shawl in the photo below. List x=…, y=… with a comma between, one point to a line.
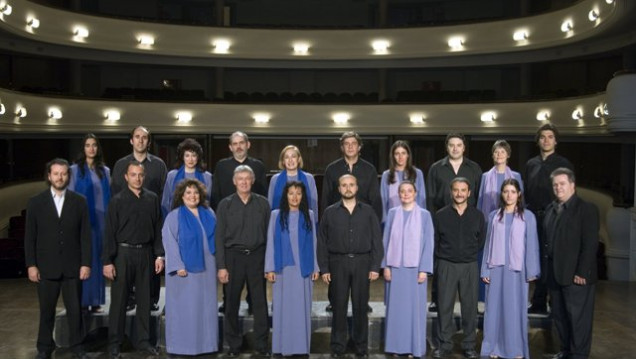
x=91, y=178
x=189, y=165
x=290, y=264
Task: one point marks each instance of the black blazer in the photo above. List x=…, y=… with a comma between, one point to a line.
x=575, y=241
x=57, y=245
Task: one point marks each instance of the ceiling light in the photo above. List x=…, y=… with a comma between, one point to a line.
x=567, y=26
x=112, y=115
x=55, y=113
x=543, y=115
x=417, y=118
x=380, y=46
x=341, y=118
x=488, y=116
x=609, y=1
x=146, y=40
x=33, y=23
x=456, y=43
x=80, y=32
x=221, y=46
x=577, y=114
x=21, y=112
x=261, y=117
x=520, y=35
x=2, y=109
x=6, y=9
x=301, y=48
x=184, y=116
x=592, y=15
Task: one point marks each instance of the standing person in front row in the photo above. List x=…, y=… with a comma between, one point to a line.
x=401, y=169
x=241, y=238
x=511, y=260
x=189, y=165
x=571, y=228
x=460, y=231
x=188, y=238
x=290, y=264
x=91, y=178
x=132, y=253
x=57, y=253
x=408, y=244
x=291, y=164
x=349, y=254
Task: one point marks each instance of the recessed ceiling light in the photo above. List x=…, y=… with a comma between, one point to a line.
x=520, y=35
x=184, y=116
x=592, y=15
x=21, y=112
x=33, y=23
x=112, y=115
x=341, y=118
x=567, y=26
x=488, y=116
x=261, y=117
x=417, y=118
x=6, y=9
x=301, y=48
x=146, y=40
x=577, y=114
x=80, y=32
x=543, y=115
x=55, y=113
x=456, y=43
x=380, y=46
x=221, y=46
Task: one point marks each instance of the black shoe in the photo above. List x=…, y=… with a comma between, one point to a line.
x=150, y=350
x=115, y=354
x=154, y=307
x=537, y=309
x=130, y=307
x=222, y=310
x=432, y=308
x=559, y=355
x=471, y=354
x=369, y=309
x=233, y=353
x=43, y=355
x=362, y=355
x=441, y=353
x=329, y=309
x=262, y=354
x=80, y=355
x=337, y=355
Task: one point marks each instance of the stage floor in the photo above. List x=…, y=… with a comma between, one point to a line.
x=614, y=325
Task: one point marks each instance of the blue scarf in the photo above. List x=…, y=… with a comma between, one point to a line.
x=84, y=185
x=281, y=181
x=181, y=175
x=190, y=244
x=283, y=255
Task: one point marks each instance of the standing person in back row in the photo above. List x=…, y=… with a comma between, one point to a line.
x=155, y=172
x=539, y=194
x=440, y=175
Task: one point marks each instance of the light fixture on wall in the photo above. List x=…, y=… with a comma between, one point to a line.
x=33, y=23
x=380, y=46
x=593, y=15
x=21, y=112
x=80, y=32
x=146, y=40
x=488, y=116
x=2, y=109
x=184, y=116
x=567, y=26
x=112, y=115
x=5, y=8
x=598, y=111
x=221, y=46
x=55, y=113
x=261, y=117
x=610, y=2
x=416, y=118
x=520, y=35
x=341, y=118
x=543, y=115
x=456, y=43
x=577, y=114
x=301, y=48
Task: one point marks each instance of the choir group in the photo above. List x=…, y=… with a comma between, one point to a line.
x=470, y=232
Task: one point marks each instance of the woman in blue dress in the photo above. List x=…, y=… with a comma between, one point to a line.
x=91, y=178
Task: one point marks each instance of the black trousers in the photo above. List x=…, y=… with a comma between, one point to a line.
x=134, y=266
x=453, y=278
x=246, y=268
x=48, y=294
x=349, y=274
x=540, y=294
x=573, y=315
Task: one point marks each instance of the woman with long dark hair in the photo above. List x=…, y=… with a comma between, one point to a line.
x=291, y=265
x=510, y=262
x=189, y=165
x=91, y=178
x=400, y=169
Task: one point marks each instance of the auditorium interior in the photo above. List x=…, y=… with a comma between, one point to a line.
x=302, y=72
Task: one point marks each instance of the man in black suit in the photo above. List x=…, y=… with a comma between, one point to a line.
x=57, y=246
x=571, y=228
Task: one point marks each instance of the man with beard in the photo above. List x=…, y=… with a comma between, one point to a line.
x=349, y=255
x=460, y=232
x=57, y=246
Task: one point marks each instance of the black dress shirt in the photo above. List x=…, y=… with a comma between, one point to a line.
x=536, y=180
x=132, y=220
x=155, y=172
x=223, y=185
x=368, y=184
x=459, y=238
x=240, y=225
x=440, y=176
x=343, y=233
